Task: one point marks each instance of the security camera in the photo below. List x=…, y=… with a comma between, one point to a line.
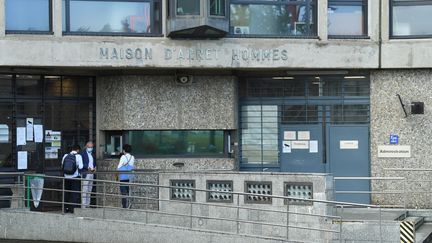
x=184, y=79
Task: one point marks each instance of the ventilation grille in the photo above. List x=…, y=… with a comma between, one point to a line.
x=261, y=189
x=182, y=193
x=220, y=187
x=299, y=190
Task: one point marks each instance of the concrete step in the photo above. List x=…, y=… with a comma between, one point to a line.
x=424, y=233
x=417, y=220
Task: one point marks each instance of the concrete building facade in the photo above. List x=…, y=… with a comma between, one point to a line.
x=322, y=101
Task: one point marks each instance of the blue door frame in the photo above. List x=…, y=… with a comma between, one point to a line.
x=330, y=158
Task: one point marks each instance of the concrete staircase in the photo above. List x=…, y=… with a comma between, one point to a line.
x=423, y=224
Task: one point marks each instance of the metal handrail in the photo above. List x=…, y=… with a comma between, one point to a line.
x=233, y=193
x=232, y=205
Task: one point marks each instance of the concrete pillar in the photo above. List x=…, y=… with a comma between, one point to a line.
x=373, y=19
x=2, y=18
x=57, y=20
x=164, y=16
x=322, y=20
x=385, y=20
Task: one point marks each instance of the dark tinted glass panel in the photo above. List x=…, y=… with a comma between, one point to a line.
x=27, y=85
x=350, y=114
x=331, y=86
x=85, y=86
x=357, y=86
x=110, y=16
x=217, y=7
x=28, y=15
x=6, y=135
x=294, y=19
x=69, y=87
x=345, y=19
x=412, y=18
x=188, y=7
x=273, y=87
x=299, y=114
x=174, y=143
x=28, y=109
x=5, y=86
x=53, y=86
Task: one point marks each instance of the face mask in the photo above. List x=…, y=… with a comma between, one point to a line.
x=89, y=150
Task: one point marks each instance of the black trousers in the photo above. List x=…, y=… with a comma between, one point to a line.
x=124, y=190
x=72, y=199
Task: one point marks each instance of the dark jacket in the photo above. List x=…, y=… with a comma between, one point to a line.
x=85, y=159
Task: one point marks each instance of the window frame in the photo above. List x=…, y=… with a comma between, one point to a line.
x=67, y=32
x=188, y=15
x=394, y=3
x=35, y=32
x=226, y=10
x=312, y=3
x=365, y=6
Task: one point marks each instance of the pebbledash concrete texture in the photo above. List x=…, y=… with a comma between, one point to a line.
x=387, y=117
x=158, y=102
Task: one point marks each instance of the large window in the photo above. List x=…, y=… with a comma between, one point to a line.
x=62, y=104
x=259, y=129
x=273, y=18
x=177, y=143
x=188, y=7
x=347, y=17
x=411, y=18
x=138, y=17
x=28, y=16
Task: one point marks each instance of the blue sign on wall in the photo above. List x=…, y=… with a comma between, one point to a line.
x=394, y=139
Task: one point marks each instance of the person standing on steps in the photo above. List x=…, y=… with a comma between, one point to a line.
x=71, y=164
x=87, y=173
x=126, y=164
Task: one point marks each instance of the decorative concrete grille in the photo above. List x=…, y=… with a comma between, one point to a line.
x=183, y=193
x=260, y=189
x=220, y=187
x=299, y=190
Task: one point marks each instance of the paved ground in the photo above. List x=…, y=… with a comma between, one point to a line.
x=28, y=241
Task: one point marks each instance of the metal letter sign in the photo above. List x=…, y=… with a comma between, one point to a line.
x=394, y=139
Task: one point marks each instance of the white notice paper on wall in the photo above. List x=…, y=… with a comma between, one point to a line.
x=21, y=136
x=348, y=144
x=29, y=126
x=290, y=135
x=22, y=160
x=286, y=146
x=38, y=133
x=303, y=135
x=313, y=146
x=300, y=144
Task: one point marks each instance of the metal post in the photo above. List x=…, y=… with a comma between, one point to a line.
x=63, y=195
x=340, y=224
x=191, y=210
x=147, y=193
x=103, y=199
x=380, y=224
x=238, y=213
x=287, y=228
x=18, y=191
x=405, y=194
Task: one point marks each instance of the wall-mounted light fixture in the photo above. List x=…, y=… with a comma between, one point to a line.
x=417, y=108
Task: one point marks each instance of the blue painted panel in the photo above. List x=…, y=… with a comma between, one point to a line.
x=302, y=160
x=350, y=162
